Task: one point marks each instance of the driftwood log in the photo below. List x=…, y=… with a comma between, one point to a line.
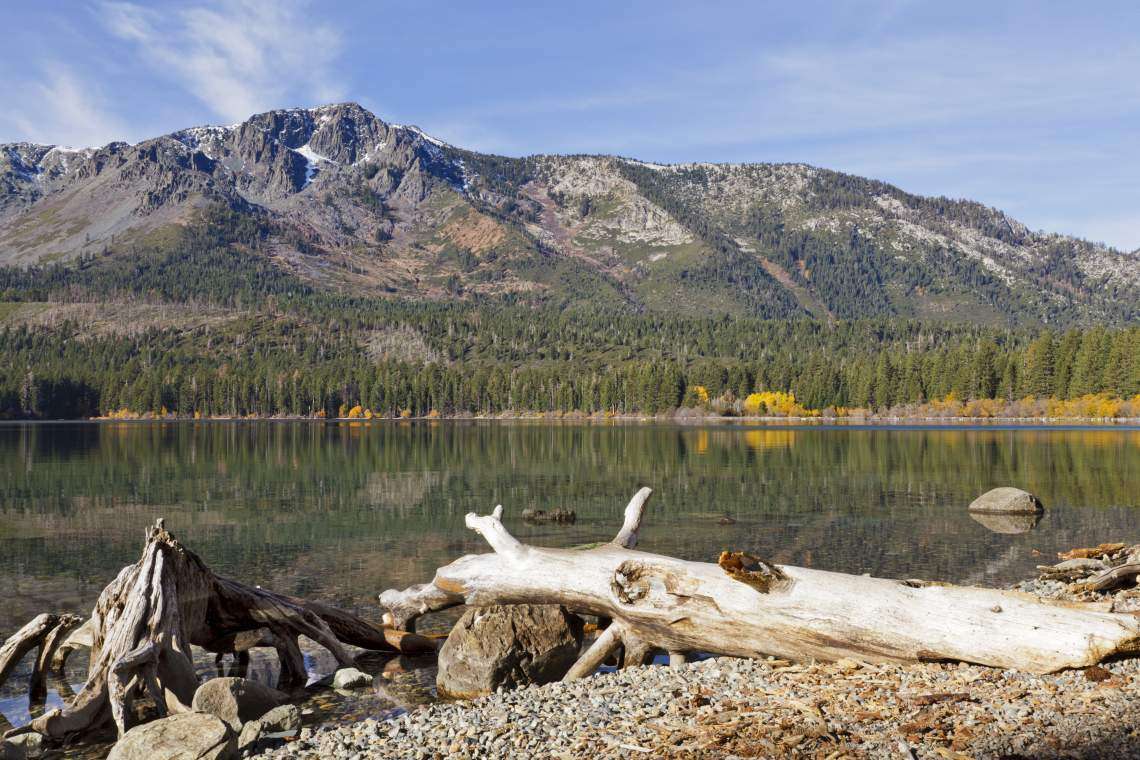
x=143, y=626
x=745, y=607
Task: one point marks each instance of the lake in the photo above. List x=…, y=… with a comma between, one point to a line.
x=340, y=511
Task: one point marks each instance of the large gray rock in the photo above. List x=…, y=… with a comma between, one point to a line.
x=236, y=700
x=186, y=736
x=1006, y=500
x=506, y=647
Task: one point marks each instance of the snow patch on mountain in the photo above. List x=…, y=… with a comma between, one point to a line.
x=205, y=139
x=64, y=154
x=369, y=154
x=416, y=130
x=313, y=161
x=648, y=165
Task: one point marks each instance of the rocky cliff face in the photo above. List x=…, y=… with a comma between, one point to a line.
x=357, y=203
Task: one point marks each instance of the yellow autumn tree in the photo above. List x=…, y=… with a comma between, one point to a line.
x=773, y=402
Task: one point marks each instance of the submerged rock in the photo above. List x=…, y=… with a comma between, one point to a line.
x=186, y=736
x=236, y=700
x=559, y=515
x=506, y=647
x=1007, y=500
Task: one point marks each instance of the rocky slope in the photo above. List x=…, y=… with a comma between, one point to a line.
x=355, y=204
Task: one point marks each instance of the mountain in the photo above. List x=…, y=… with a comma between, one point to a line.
x=334, y=199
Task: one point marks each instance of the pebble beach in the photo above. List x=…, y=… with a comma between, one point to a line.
x=728, y=707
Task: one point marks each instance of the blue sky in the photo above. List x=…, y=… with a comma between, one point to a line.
x=1031, y=107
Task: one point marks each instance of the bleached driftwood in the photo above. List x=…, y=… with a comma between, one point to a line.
x=745, y=607
x=144, y=623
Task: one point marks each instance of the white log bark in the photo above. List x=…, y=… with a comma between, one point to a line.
x=754, y=609
x=606, y=644
x=631, y=526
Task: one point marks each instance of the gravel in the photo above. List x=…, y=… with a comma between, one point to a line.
x=747, y=708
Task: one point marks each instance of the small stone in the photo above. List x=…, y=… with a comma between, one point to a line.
x=283, y=719
x=350, y=678
x=250, y=733
x=1096, y=673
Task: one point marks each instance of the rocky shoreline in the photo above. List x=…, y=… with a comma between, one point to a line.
x=745, y=708
x=717, y=707
x=683, y=415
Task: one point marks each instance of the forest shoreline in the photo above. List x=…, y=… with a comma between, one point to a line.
x=681, y=419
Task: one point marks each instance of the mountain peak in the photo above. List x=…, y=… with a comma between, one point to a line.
x=357, y=203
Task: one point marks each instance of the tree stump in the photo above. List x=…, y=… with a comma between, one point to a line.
x=145, y=621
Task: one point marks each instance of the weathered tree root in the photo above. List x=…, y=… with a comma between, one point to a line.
x=45, y=631
x=749, y=608
x=146, y=620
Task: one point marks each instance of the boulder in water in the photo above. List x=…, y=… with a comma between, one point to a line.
x=1007, y=501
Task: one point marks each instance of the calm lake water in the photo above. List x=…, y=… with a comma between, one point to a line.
x=342, y=511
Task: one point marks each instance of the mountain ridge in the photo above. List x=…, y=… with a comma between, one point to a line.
x=357, y=205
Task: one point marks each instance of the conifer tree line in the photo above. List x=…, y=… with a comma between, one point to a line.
x=59, y=373
x=279, y=346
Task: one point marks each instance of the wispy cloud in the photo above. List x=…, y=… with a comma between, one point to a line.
x=805, y=91
x=1039, y=128
x=237, y=57
x=60, y=107
x=943, y=79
